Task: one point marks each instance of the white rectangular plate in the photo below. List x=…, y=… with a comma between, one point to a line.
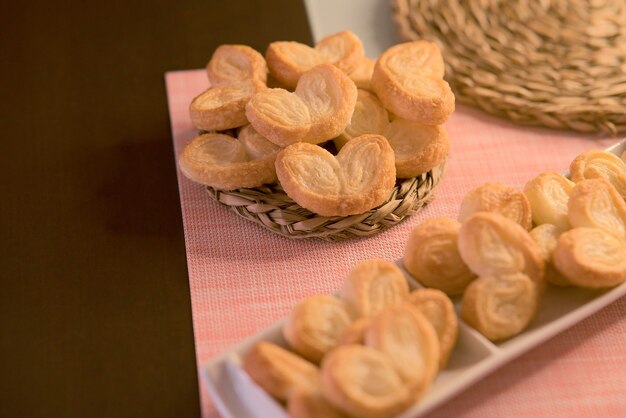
x=236, y=396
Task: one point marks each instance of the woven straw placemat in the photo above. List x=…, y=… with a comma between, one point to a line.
x=560, y=64
x=270, y=207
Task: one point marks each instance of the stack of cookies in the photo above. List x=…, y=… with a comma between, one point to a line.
x=334, y=127
x=371, y=352
x=507, y=243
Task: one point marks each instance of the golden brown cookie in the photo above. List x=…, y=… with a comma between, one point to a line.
x=233, y=64
x=600, y=164
x=437, y=307
x=305, y=404
x=362, y=74
x=362, y=382
x=318, y=110
x=492, y=245
x=355, y=332
x=408, y=79
x=498, y=198
x=373, y=285
x=547, y=235
x=223, y=162
x=431, y=255
x=590, y=257
x=288, y=61
x=369, y=117
x=280, y=372
x=315, y=325
x=359, y=178
x=410, y=341
x=596, y=204
x=500, y=307
x=548, y=194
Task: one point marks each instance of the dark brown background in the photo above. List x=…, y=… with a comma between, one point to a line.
x=94, y=297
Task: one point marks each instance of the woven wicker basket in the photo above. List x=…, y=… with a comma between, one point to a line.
x=559, y=63
x=270, y=207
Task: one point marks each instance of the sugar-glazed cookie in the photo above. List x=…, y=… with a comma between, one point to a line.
x=600, y=164
x=359, y=178
x=373, y=285
x=408, y=79
x=363, y=382
x=437, y=307
x=278, y=371
x=233, y=64
x=223, y=162
x=369, y=117
x=500, y=307
x=548, y=194
x=315, y=326
x=590, y=257
x=288, y=61
x=498, y=198
x=431, y=255
x=318, y=110
x=492, y=245
x=547, y=235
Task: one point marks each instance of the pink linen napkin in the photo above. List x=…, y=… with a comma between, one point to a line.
x=243, y=277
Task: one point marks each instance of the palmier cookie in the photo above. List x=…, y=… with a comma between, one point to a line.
x=500, y=307
x=233, y=64
x=431, y=255
x=369, y=117
x=589, y=257
x=408, y=79
x=546, y=235
x=280, y=372
x=359, y=178
x=548, y=194
x=410, y=341
x=499, y=198
x=600, y=164
x=362, y=74
x=417, y=147
x=373, y=285
x=288, y=61
x=363, y=382
x=315, y=325
x=596, y=204
x=355, y=332
x=437, y=307
x=319, y=109
x=223, y=162
x=311, y=404
x=492, y=245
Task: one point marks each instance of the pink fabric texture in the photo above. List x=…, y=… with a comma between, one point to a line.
x=243, y=277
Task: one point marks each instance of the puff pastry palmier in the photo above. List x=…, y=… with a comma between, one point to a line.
x=410, y=341
x=589, y=257
x=431, y=255
x=362, y=74
x=492, y=245
x=546, y=235
x=358, y=179
x=437, y=307
x=369, y=117
x=278, y=371
x=307, y=404
x=499, y=198
x=355, y=332
x=288, y=61
x=362, y=382
x=408, y=79
x=318, y=110
x=373, y=285
x=417, y=148
x=596, y=204
x=315, y=325
x=232, y=64
x=600, y=164
x=548, y=194
x=500, y=307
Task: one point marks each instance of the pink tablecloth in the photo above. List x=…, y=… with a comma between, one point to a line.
x=243, y=278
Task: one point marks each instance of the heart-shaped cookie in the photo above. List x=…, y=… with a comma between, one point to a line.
x=596, y=203
x=318, y=110
x=288, y=61
x=408, y=79
x=358, y=179
x=233, y=64
x=548, y=194
x=600, y=164
x=497, y=198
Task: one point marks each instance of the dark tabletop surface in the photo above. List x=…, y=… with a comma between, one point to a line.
x=94, y=297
